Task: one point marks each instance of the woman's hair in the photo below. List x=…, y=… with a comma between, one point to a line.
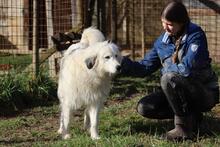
x=175, y=12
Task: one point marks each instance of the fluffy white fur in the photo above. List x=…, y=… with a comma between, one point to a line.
x=90, y=36
x=85, y=80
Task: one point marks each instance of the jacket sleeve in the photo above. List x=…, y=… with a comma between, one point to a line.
x=142, y=68
x=196, y=57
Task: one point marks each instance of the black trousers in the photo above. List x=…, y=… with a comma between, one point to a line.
x=177, y=96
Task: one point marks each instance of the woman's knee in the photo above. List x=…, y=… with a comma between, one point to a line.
x=172, y=79
x=153, y=105
x=143, y=108
x=153, y=111
x=167, y=78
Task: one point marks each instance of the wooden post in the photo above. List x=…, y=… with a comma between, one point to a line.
x=52, y=63
x=98, y=14
x=89, y=11
x=49, y=22
x=114, y=21
x=127, y=13
x=74, y=12
x=133, y=31
x=35, y=59
x=103, y=16
x=77, y=8
x=142, y=29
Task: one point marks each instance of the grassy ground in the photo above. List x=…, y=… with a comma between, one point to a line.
x=18, y=62
x=16, y=59
x=120, y=125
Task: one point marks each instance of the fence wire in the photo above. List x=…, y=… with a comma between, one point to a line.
x=25, y=34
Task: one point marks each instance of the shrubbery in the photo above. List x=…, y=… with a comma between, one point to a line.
x=20, y=90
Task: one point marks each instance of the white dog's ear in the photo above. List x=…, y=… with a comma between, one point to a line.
x=90, y=62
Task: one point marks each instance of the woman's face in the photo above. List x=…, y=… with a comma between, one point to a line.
x=172, y=28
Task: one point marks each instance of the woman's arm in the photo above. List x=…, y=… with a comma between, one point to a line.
x=144, y=67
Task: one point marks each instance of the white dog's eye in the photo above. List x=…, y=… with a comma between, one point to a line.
x=107, y=57
x=116, y=56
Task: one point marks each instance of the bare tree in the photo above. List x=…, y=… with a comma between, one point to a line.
x=76, y=8
x=114, y=20
x=127, y=23
x=142, y=28
x=89, y=6
x=101, y=15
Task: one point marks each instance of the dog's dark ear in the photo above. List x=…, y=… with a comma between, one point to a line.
x=90, y=62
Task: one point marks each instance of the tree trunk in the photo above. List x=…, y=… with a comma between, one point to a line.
x=142, y=28
x=127, y=23
x=133, y=31
x=49, y=22
x=89, y=11
x=77, y=13
x=114, y=21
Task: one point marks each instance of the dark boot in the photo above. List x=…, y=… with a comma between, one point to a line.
x=183, y=129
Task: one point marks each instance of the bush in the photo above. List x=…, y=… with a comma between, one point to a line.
x=10, y=89
x=216, y=68
x=19, y=90
x=43, y=86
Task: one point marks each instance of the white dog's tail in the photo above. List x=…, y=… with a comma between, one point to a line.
x=92, y=35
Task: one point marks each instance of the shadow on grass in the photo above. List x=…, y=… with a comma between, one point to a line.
x=125, y=87
x=210, y=127
x=29, y=141
x=12, y=109
x=154, y=127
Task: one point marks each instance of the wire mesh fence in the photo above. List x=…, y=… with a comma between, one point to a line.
x=26, y=27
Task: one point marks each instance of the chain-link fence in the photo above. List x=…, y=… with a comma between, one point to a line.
x=26, y=27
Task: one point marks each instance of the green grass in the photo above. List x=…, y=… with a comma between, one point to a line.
x=216, y=68
x=120, y=125
x=15, y=59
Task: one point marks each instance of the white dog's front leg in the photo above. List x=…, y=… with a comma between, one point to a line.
x=86, y=120
x=65, y=122
x=94, y=116
x=60, y=130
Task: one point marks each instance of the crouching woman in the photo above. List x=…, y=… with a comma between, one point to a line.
x=189, y=86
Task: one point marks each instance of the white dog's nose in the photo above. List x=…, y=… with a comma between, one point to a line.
x=118, y=67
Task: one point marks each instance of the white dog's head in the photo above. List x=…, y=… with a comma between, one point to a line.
x=106, y=58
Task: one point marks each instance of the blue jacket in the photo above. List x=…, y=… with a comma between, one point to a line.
x=193, y=55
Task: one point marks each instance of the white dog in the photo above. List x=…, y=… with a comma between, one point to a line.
x=90, y=36
x=85, y=80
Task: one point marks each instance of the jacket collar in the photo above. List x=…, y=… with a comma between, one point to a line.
x=167, y=39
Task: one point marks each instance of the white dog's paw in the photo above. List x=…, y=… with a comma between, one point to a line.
x=66, y=136
x=60, y=131
x=95, y=137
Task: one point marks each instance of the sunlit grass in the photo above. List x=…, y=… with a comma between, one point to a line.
x=15, y=60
